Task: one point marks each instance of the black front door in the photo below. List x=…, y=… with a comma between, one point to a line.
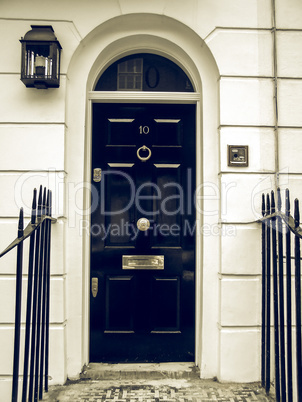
x=142, y=233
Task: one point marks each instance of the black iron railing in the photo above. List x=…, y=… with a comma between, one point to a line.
x=36, y=347
x=278, y=297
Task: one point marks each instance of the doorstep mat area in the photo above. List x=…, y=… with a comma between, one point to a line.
x=157, y=391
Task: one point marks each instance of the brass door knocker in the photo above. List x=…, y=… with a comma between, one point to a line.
x=144, y=158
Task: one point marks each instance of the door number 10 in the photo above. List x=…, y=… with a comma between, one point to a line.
x=144, y=129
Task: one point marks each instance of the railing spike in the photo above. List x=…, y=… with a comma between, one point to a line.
x=280, y=290
x=273, y=205
x=298, y=302
x=263, y=204
x=34, y=207
x=279, y=199
x=263, y=304
x=268, y=297
x=40, y=195
x=47, y=203
x=18, y=309
x=275, y=296
x=29, y=300
x=289, y=301
x=287, y=202
x=297, y=213
x=47, y=299
x=50, y=203
x=40, y=202
x=268, y=205
x=21, y=224
x=44, y=202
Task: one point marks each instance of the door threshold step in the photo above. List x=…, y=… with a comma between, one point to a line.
x=150, y=371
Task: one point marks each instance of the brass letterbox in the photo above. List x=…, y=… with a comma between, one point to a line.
x=143, y=262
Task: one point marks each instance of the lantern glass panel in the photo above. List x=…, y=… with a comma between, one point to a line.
x=38, y=62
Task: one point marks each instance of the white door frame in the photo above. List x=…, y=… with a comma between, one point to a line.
x=110, y=41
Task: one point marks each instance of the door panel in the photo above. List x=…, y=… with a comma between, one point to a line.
x=117, y=204
x=143, y=310
x=166, y=301
x=168, y=132
x=168, y=206
x=119, y=304
x=120, y=132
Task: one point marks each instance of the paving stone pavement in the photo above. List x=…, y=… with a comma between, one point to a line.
x=182, y=390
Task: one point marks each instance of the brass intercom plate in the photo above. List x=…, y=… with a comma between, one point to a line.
x=238, y=155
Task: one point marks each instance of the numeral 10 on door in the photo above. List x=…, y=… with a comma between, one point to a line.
x=144, y=129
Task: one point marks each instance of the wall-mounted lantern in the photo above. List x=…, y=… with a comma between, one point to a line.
x=40, y=60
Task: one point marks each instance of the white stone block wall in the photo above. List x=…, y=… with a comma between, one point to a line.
x=32, y=153
x=34, y=131
x=248, y=117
